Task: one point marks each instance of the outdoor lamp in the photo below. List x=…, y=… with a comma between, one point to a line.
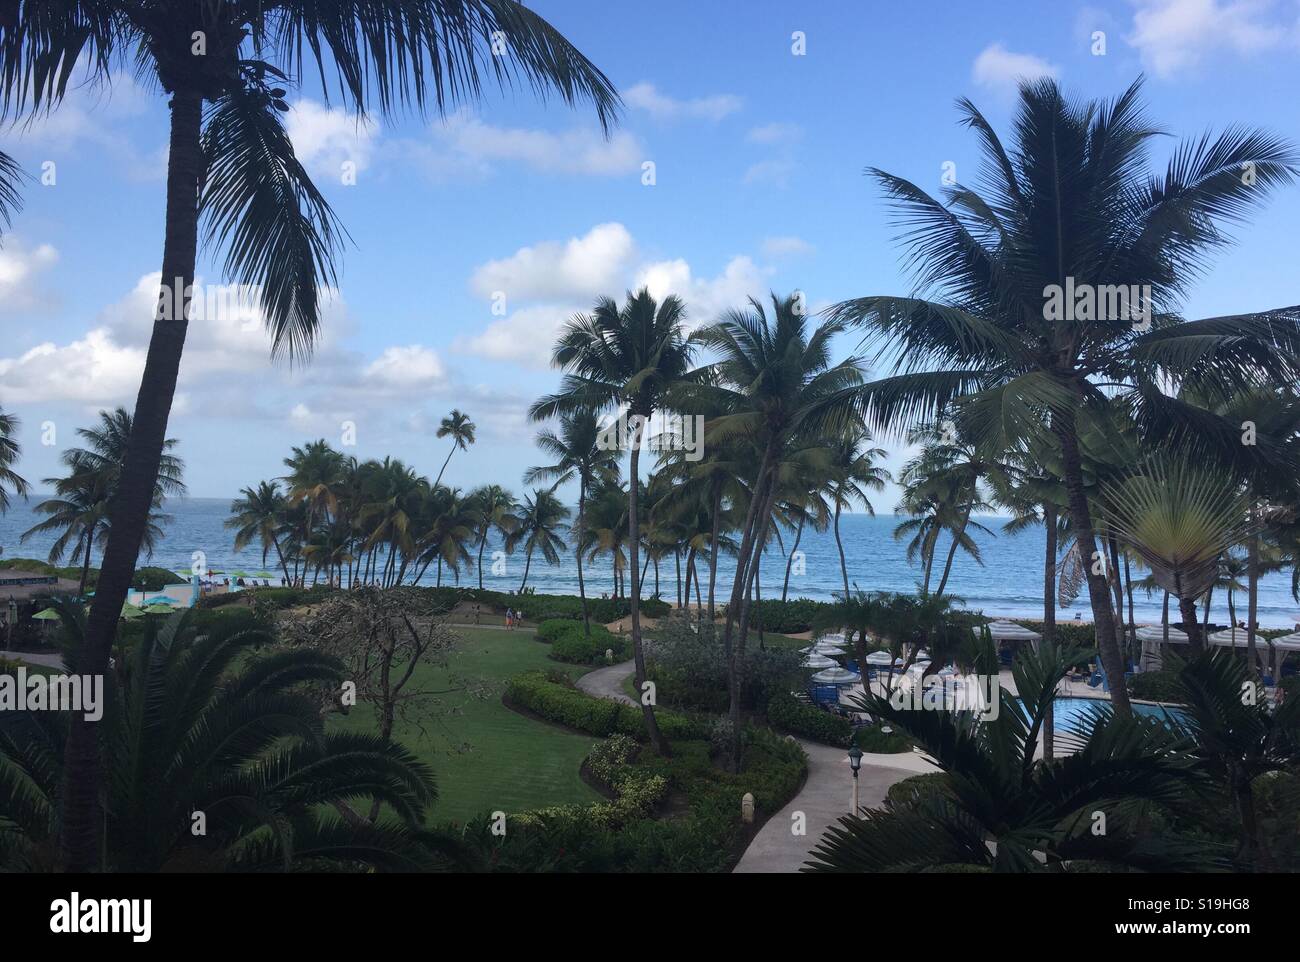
x=855, y=759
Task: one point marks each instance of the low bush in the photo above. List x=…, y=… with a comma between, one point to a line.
x=786, y=713
x=690, y=671
x=575, y=648
x=1155, y=686
x=152, y=579
x=874, y=739
x=784, y=617
x=559, y=703
x=553, y=628
x=911, y=790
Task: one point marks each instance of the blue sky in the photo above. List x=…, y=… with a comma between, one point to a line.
x=758, y=158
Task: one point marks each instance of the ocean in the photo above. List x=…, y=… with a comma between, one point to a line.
x=1010, y=581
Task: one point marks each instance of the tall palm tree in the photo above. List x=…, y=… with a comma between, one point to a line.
x=494, y=506
x=539, y=526
x=776, y=378
x=206, y=722
x=258, y=514
x=1072, y=206
x=315, y=473
x=624, y=358
x=83, y=498
x=446, y=524
x=460, y=429
x=855, y=473
x=605, y=529
x=577, y=452
x=9, y=451
x=232, y=166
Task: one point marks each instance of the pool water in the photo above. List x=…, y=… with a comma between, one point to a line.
x=1070, y=711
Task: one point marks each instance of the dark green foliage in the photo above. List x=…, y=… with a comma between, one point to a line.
x=689, y=671
x=576, y=648
x=785, y=713
x=1155, y=686
x=911, y=790
x=599, y=716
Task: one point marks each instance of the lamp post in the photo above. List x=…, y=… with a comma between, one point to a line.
x=855, y=762
x=13, y=616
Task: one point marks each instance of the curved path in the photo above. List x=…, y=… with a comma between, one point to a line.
x=608, y=682
x=827, y=792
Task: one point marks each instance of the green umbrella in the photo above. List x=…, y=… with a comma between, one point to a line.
x=264, y=574
x=49, y=614
x=131, y=611
x=240, y=574
x=159, y=608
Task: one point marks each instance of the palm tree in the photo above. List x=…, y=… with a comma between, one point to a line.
x=1001, y=810
x=233, y=167
x=855, y=473
x=629, y=357
x=460, y=429
x=777, y=380
x=1072, y=207
x=85, y=496
x=315, y=472
x=9, y=448
x=446, y=524
x=577, y=452
x=258, y=514
x=539, y=526
x=605, y=529
x=208, y=723
x=494, y=506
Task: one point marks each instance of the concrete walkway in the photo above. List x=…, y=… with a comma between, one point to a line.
x=34, y=658
x=827, y=794
x=608, y=682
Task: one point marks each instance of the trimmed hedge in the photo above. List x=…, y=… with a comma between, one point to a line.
x=911, y=790
x=556, y=702
x=1155, y=686
x=788, y=714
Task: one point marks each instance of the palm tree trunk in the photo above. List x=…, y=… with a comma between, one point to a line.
x=952, y=549
x=1187, y=608
x=444, y=465
x=528, y=563
x=1103, y=616
x=716, y=521
x=1252, y=602
x=1164, y=631
x=657, y=741
x=582, y=588
x=85, y=565
x=1049, y=619
x=129, y=511
x=839, y=545
x=789, y=562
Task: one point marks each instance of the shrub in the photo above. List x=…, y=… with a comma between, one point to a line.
x=598, y=716
x=911, y=790
x=786, y=713
x=152, y=579
x=690, y=671
x=553, y=628
x=784, y=617
x=576, y=648
x=1155, y=686
x=874, y=738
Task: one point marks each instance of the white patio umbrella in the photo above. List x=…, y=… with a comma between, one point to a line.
x=1281, y=645
x=836, y=676
x=880, y=658
x=1156, y=633
x=834, y=638
x=815, y=660
x=823, y=648
x=1010, y=631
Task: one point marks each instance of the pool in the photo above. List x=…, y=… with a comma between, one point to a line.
x=1070, y=711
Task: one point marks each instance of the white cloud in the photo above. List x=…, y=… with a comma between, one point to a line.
x=324, y=138
x=465, y=144
x=644, y=96
x=776, y=172
x=1000, y=70
x=789, y=246
x=19, y=266
x=705, y=297
x=94, y=370
x=774, y=133
x=406, y=368
x=1175, y=35
x=577, y=268
x=524, y=336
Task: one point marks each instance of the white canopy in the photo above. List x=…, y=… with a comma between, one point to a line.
x=823, y=648
x=880, y=658
x=1157, y=633
x=1289, y=642
x=834, y=638
x=1232, y=638
x=836, y=676
x=1010, y=631
x=815, y=660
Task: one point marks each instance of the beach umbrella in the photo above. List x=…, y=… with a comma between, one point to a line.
x=159, y=608
x=131, y=611
x=49, y=614
x=836, y=676
x=823, y=648
x=834, y=638
x=1156, y=633
x=1010, y=631
x=880, y=658
x=1229, y=637
x=815, y=660
x=1289, y=642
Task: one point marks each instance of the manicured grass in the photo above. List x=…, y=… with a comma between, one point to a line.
x=487, y=757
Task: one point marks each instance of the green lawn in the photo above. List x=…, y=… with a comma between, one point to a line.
x=486, y=757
